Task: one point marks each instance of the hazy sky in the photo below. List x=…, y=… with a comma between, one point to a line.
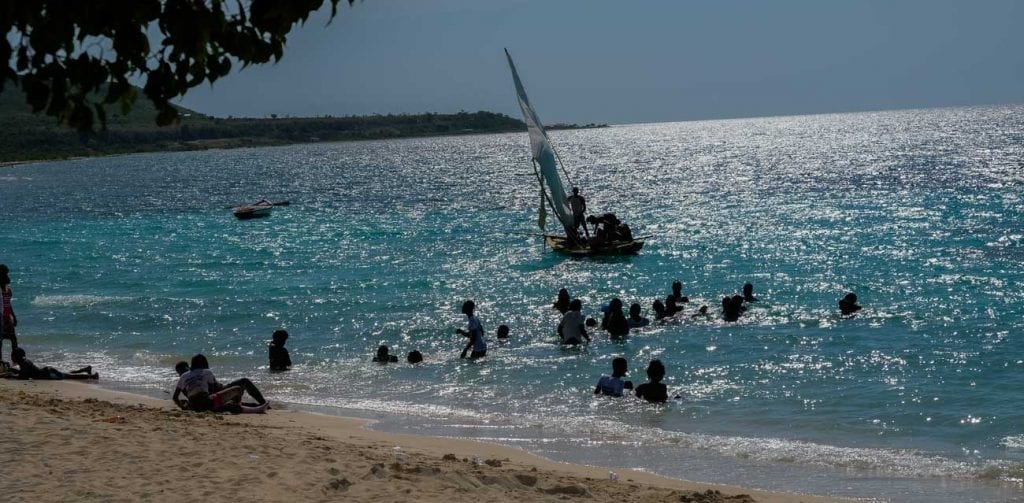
x=638, y=61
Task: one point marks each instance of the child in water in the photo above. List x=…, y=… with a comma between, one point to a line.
x=475, y=332
x=613, y=385
x=384, y=355
x=654, y=391
x=279, y=358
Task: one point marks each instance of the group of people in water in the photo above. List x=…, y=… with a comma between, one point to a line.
x=197, y=388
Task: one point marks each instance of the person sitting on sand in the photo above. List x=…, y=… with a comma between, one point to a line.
x=571, y=330
x=848, y=304
x=636, y=320
x=414, y=357
x=748, y=293
x=7, y=318
x=654, y=391
x=474, y=331
x=280, y=360
x=677, y=293
x=384, y=355
x=28, y=370
x=613, y=385
x=562, y=302
x=204, y=393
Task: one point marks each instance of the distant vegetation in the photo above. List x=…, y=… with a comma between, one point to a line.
x=25, y=136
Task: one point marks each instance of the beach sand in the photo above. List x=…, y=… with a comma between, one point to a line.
x=69, y=441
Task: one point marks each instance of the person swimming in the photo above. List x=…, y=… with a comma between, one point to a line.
x=614, y=385
x=677, y=293
x=659, y=309
x=571, y=330
x=636, y=320
x=384, y=355
x=414, y=357
x=702, y=312
x=562, y=302
x=615, y=321
x=502, y=332
x=654, y=391
x=848, y=304
x=748, y=293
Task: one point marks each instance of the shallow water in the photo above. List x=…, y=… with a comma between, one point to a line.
x=132, y=263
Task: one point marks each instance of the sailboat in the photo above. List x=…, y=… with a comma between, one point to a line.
x=608, y=239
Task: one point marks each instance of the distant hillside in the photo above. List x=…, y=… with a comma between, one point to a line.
x=25, y=136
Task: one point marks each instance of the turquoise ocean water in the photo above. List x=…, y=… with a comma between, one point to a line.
x=132, y=263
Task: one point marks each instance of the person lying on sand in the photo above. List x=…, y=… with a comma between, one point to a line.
x=28, y=370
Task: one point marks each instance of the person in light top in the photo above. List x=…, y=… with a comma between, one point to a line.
x=571, y=330
x=474, y=331
x=613, y=385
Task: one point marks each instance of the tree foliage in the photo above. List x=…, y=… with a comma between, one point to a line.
x=73, y=57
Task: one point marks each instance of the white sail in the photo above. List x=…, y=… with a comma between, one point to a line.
x=544, y=156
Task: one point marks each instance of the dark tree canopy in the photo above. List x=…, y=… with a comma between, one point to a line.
x=72, y=57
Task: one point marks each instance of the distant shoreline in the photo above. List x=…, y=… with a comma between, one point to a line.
x=26, y=137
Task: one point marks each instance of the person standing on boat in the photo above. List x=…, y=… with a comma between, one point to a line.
x=578, y=205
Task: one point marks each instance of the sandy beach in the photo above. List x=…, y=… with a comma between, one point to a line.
x=76, y=442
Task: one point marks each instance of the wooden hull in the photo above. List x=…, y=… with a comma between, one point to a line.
x=252, y=211
x=562, y=245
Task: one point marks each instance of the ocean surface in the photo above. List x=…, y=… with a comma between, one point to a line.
x=132, y=263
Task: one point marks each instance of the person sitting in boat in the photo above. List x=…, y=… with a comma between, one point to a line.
x=578, y=205
x=604, y=229
x=623, y=233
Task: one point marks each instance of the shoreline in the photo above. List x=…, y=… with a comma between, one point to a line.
x=343, y=456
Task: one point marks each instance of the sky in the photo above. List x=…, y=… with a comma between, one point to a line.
x=624, y=61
